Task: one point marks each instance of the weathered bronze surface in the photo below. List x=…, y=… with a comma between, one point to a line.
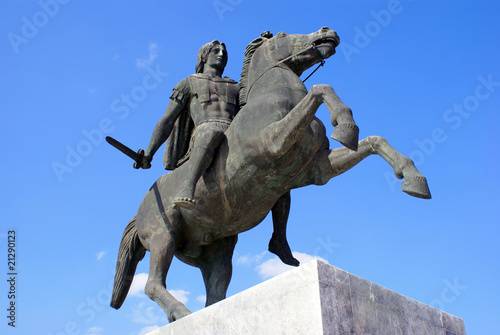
x=273, y=145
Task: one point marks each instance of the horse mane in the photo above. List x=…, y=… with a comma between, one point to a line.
x=249, y=51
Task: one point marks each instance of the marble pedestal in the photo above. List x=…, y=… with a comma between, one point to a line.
x=317, y=298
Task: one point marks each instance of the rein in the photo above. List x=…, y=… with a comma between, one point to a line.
x=312, y=46
x=316, y=69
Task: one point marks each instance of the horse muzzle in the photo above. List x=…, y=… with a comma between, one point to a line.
x=326, y=36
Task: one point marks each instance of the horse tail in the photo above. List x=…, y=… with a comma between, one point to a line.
x=130, y=253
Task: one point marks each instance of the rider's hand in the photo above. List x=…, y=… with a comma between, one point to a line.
x=145, y=162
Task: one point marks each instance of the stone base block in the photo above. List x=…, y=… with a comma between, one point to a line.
x=317, y=298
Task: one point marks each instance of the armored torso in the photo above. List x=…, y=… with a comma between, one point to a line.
x=212, y=98
x=205, y=99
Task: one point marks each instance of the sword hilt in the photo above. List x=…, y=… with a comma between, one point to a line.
x=138, y=156
x=137, y=163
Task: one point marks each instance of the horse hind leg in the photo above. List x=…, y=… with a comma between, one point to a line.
x=162, y=248
x=216, y=268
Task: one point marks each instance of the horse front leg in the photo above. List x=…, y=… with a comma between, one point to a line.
x=331, y=163
x=414, y=183
x=346, y=131
x=283, y=134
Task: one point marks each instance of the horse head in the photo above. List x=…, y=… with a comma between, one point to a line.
x=295, y=51
x=300, y=52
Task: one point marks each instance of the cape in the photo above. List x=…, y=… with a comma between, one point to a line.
x=178, y=142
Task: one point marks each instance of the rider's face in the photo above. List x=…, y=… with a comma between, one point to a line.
x=217, y=57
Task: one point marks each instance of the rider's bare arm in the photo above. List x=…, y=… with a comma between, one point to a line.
x=162, y=130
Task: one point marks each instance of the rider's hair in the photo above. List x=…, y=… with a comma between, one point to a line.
x=203, y=54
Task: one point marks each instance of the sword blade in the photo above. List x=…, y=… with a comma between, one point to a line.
x=123, y=148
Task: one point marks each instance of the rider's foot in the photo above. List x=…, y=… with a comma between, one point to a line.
x=347, y=134
x=185, y=197
x=281, y=248
x=185, y=202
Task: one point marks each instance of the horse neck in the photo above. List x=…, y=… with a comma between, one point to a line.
x=274, y=74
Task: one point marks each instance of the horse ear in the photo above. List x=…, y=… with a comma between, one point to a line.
x=267, y=34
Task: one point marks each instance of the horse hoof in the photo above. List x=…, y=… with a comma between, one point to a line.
x=185, y=202
x=417, y=187
x=178, y=313
x=347, y=134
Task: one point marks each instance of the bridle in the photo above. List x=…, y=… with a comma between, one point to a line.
x=278, y=64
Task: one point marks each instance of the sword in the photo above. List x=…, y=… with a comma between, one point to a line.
x=136, y=156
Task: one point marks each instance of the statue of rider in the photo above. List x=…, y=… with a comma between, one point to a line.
x=202, y=107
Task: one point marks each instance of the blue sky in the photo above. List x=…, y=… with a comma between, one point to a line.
x=423, y=74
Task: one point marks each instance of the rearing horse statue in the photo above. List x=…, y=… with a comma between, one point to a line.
x=274, y=144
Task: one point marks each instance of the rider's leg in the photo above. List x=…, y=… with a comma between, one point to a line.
x=207, y=140
x=278, y=243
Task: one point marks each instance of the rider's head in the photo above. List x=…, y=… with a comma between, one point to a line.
x=204, y=52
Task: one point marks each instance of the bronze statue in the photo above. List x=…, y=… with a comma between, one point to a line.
x=201, y=109
x=273, y=145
